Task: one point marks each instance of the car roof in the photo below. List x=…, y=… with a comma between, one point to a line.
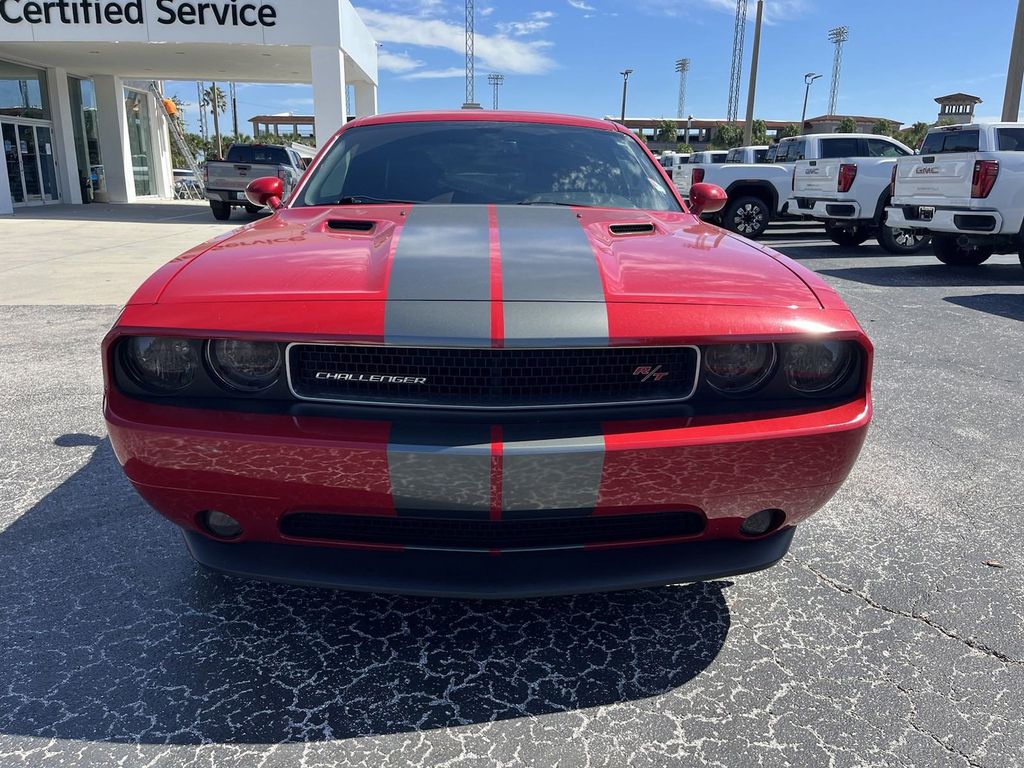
x=488, y=115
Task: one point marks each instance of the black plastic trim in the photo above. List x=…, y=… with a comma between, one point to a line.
x=480, y=575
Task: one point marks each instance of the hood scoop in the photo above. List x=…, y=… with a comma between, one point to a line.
x=350, y=225
x=639, y=228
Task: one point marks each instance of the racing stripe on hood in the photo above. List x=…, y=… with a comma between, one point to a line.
x=551, y=282
x=440, y=470
x=439, y=288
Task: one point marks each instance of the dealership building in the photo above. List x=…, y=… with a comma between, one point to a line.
x=80, y=116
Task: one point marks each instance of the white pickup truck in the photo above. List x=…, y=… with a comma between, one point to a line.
x=762, y=192
x=966, y=187
x=672, y=161
x=748, y=155
x=227, y=179
x=681, y=176
x=850, y=194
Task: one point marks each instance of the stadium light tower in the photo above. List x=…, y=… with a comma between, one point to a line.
x=495, y=80
x=470, y=102
x=682, y=67
x=838, y=36
x=736, y=74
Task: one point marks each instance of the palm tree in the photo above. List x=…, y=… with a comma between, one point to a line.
x=214, y=98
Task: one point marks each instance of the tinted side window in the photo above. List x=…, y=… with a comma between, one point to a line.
x=1011, y=139
x=844, y=147
x=760, y=155
x=879, y=148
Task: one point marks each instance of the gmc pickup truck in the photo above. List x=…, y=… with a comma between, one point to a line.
x=227, y=179
x=761, y=192
x=850, y=194
x=672, y=161
x=966, y=187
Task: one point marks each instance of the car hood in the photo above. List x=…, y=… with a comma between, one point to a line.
x=447, y=253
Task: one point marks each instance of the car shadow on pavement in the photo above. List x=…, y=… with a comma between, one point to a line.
x=932, y=275
x=1009, y=305
x=111, y=633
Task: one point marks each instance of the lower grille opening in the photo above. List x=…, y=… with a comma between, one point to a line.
x=484, y=535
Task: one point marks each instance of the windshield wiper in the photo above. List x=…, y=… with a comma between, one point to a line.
x=360, y=199
x=553, y=202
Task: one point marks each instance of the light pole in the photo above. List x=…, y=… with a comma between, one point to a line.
x=689, y=122
x=625, y=80
x=809, y=78
x=748, y=123
x=495, y=80
x=1014, y=70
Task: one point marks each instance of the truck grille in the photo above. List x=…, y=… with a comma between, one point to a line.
x=485, y=535
x=491, y=378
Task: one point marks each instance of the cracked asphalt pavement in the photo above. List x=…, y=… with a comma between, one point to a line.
x=892, y=635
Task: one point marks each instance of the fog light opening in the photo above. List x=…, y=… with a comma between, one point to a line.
x=760, y=523
x=221, y=525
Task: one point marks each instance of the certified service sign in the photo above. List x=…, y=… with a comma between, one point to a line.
x=228, y=13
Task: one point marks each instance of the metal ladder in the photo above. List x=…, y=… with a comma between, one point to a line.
x=179, y=138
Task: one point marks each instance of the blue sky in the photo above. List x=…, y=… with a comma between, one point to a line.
x=565, y=56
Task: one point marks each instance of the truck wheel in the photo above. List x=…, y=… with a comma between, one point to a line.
x=221, y=211
x=748, y=216
x=949, y=252
x=847, y=238
x=900, y=241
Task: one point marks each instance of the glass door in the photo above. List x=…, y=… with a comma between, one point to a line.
x=30, y=174
x=9, y=136
x=31, y=169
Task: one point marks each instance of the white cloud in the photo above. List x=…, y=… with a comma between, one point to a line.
x=496, y=52
x=397, y=62
x=486, y=11
x=520, y=28
x=538, y=15
x=773, y=11
x=581, y=6
x=435, y=74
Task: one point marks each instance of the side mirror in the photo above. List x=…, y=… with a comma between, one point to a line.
x=266, y=191
x=706, y=198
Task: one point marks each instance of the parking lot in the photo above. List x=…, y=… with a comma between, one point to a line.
x=892, y=635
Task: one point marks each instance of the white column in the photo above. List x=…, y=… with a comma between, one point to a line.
x=114, y=147
x=160, y=163
x=64, y=136
x=366, y=98
x=328, y=66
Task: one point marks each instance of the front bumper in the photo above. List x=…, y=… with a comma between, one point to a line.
x=260, y=468
x=828, y=210
x=475, y=575
x=958, y=221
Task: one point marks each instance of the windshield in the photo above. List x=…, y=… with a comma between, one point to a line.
x=474, y=162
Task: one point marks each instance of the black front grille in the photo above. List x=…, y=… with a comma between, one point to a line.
x=485, y=535
x=491, y=378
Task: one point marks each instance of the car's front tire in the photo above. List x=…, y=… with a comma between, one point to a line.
x=221, y=211
x=949, y=252
x=901, y=241
x=847, y=238
x=747, y=216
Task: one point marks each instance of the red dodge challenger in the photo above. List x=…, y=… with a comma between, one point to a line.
x=486, y=354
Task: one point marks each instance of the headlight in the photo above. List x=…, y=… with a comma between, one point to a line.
x=248, y=366
x=160, y=363
x=815, y=367
x=738, y=368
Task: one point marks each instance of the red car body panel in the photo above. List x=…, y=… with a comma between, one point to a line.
x=293, y=278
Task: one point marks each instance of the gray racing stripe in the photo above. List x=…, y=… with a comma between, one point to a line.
x=551, y=282
x=544, y=468
x=441, y=470
x=443, y=263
